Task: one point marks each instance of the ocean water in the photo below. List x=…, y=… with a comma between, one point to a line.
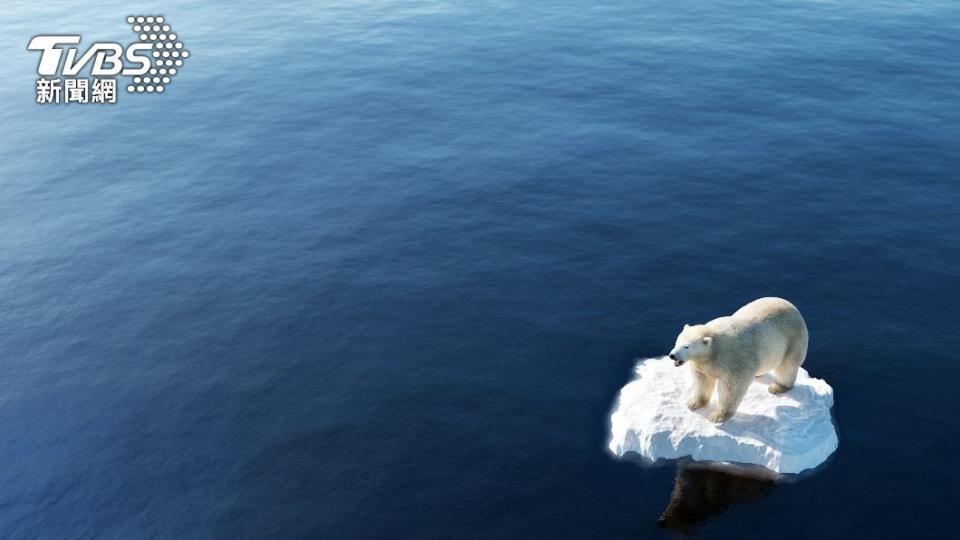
x=378, y=269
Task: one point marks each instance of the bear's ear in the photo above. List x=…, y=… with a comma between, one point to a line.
x=707, y=340
x=686, y=326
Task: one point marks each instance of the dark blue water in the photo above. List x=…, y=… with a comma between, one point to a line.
x=378, y=269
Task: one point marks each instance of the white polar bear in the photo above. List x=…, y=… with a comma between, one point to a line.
x=766, y=334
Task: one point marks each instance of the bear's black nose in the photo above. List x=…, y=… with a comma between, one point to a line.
x=673, y=357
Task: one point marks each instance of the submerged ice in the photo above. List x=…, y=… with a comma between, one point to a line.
x=786, y=433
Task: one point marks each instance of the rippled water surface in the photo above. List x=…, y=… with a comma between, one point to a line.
x=375, y=269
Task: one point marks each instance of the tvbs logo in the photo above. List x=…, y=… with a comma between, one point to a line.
x=151, y=63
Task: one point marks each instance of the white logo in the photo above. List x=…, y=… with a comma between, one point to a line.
x=151, y=62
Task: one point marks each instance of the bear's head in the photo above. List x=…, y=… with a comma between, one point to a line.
x=693, y=345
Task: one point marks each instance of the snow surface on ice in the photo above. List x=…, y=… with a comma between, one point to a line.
x=786, y=433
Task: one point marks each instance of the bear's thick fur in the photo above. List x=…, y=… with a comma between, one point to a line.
x=728, y=352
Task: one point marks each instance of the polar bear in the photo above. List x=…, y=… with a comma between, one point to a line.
x=764, y=335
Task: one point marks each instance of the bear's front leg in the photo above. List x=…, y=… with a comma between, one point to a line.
x=702, y=389
x=730, y=392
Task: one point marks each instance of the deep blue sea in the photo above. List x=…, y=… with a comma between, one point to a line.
x=375, y=269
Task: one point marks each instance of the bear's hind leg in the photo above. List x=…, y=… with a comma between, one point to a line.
x=730, y=392
x=702, y=390
x=786, y=373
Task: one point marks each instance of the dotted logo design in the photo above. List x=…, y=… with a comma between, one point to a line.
x=168, y=54
x=151, y=62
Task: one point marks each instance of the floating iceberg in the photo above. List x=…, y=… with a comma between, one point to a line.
x=786, y=433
